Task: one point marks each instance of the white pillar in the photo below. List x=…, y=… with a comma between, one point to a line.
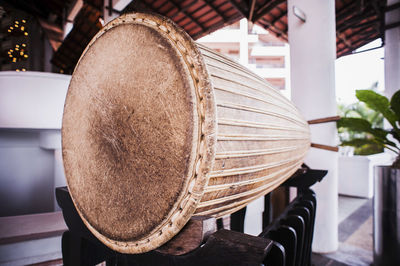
x=392, y=51
x=312, y=57
x=244, y=44
x=50, y=139
x=288, y=86
x=117, y=5
x=59, y=174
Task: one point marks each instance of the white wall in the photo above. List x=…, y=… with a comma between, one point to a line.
x=31, y=107
x=32, y=100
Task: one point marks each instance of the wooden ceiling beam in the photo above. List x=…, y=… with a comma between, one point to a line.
x=343, y=38
x=360, y=6
x=211, y=5
x=251, y=12
x=183, y=11
x=356, y=43
x=218, y=26
x=356, y=32
x=227, y=11
x=353, y=20
x=164, y=4
x=365, y=24
x=243, y=10
x=342, y=52
x=213, y=17
x=267, y=25
x=185, y=17
x=265, y=9
x=284, y=13
x=143, y=4
x=345, y=12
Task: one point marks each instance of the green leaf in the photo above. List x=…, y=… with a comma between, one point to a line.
x=359, y=142
x=395, y=103
x=356, y=124
x=362, y=125
x=379, y=133
x=369, y=149
x=379, y=103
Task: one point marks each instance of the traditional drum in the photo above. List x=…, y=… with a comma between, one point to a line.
x=157, y=128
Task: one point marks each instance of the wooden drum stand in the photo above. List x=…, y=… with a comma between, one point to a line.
x=203, y=241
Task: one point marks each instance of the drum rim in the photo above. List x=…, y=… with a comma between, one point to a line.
x=193, y=191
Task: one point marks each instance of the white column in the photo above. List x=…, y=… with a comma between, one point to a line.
x=117, y=5
x=244, y=44
x=288, y=86
x=312, y=55
x=392, y=51
x=50, y=139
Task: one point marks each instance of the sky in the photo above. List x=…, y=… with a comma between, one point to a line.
x=359, y=71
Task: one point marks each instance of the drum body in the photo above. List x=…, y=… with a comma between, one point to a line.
x=157, y=128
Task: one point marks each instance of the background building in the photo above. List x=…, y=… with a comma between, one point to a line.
x=257, y=49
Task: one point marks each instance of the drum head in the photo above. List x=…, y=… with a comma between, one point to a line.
x=138, y=134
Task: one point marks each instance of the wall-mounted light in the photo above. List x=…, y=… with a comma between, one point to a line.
x=299, y=13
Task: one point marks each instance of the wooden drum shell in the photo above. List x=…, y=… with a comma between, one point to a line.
x=261, y=137
x=244, y=137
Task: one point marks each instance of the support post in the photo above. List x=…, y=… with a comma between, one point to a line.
x=313, y=53
x=112, y=8
x=392, y=50
x=244, y=44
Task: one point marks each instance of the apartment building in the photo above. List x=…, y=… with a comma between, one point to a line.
x=255, y=48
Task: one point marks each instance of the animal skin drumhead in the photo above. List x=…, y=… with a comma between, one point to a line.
x=137, y=133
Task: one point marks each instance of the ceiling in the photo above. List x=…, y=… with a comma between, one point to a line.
x=357, y=21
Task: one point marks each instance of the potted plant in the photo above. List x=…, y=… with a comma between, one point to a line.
x=386, y=178
x=375, y=138
x=356, y=164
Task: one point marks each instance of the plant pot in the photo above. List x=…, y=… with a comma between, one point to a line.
x=359, y=170
x=386, y=216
